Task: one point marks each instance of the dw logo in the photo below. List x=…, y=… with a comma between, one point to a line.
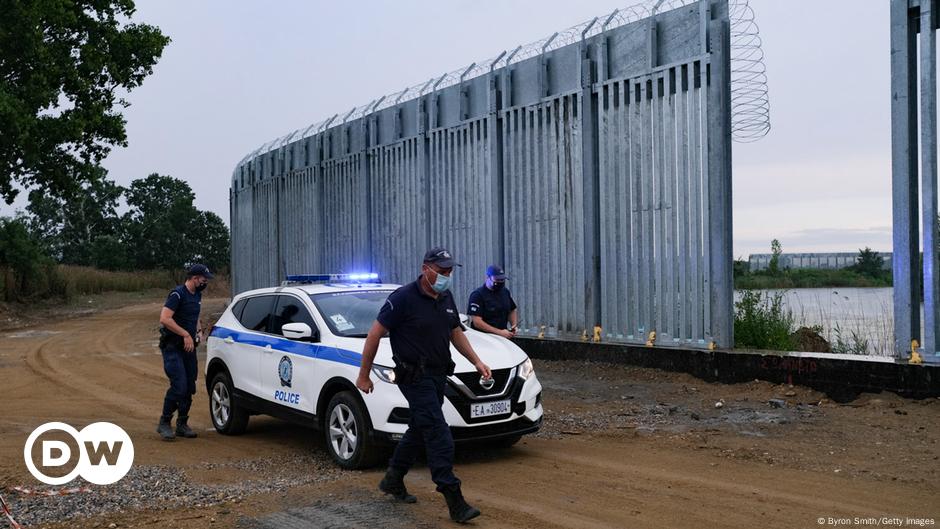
x=105, y=453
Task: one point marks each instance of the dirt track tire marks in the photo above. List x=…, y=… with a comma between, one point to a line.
x=587, y=484
x=39, y=362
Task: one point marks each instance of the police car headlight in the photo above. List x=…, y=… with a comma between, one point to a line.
x=385, y=374
x=526, y=369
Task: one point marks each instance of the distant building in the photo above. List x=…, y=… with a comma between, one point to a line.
x=760, y=261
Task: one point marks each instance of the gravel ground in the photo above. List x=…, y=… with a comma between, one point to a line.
x=164, y=487
x=359, y=510
x=591, y=398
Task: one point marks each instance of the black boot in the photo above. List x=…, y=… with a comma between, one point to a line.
x=183, y=429
x=394, y=483
x=460, y=510
x=165, y=430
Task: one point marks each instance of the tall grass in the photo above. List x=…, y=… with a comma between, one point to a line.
x=82, y=280
x=66, y=282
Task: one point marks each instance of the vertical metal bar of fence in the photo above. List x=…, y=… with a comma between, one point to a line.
x=607, y=312
x=646, y=206
x=682, y=199
x=659, y=217
x=718, y=112
x=632, y=226
x=589, y=111
x=669, y=209
x=695, y=201
x=523, y=205
x=928, y=174
x=904, y=264
x=553, y=212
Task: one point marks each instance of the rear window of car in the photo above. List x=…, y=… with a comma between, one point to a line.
x=350, y=314
x=238, y=308
x=256, y=313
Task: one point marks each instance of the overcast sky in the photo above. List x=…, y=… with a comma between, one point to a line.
x=238, y=74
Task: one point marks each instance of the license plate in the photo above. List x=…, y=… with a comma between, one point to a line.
x=486, y=409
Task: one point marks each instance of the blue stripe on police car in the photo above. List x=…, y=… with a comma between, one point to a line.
x=310, y=350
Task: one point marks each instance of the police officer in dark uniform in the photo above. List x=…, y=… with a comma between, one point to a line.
x=422, y=321
x=491, y=307
x=180, y=333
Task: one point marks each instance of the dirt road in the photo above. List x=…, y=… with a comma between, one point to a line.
x=622, y=447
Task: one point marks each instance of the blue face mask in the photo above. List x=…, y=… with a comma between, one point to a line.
x=441, y=284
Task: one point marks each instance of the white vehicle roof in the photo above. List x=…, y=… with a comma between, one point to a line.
x=320, y=288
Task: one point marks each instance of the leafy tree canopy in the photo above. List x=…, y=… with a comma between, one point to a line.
x=64, y=65
x=69, y=227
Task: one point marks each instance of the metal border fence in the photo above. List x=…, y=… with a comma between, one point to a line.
x=597, y=169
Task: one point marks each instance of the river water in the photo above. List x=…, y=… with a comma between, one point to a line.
x=859, y=320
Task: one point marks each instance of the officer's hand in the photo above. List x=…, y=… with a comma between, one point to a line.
x=188, y=344
x=484, y=370
x=364, y=383
x=506, y=334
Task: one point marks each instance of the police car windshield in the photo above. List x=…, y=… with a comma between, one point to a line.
x=350, y=314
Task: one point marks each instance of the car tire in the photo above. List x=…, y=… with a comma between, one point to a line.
x=226, y=413
x=348, y=433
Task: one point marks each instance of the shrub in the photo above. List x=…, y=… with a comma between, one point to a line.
x=761, y=322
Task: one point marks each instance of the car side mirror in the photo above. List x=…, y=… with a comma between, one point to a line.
x=299, y=331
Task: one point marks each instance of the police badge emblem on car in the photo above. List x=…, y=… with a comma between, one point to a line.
x=285, y=371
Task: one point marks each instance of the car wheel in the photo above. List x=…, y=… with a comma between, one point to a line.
x=227, y=415
x=348, y=432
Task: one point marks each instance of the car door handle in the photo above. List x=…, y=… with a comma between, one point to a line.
x=228, y=339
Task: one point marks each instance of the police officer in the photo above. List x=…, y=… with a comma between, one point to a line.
x=180, y=333
x=422, y=321
x=491, y=307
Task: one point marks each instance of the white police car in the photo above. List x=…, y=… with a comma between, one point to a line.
x=294, y=352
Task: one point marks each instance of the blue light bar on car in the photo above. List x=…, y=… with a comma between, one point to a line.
x=370, y=277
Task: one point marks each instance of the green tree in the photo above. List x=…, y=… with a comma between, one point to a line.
x=776, y=250
x=63, y=66
x=211, y=241
x=109, y=252
x=162, y=224
x=869, y=263
x=163, y=229
x=69, y=226
x=21, y=257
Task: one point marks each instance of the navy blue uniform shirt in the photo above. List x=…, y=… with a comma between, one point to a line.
x=493, y=306
x=419, y=326
x=185, y=306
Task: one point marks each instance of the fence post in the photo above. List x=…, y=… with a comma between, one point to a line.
x=721, y=284
x=905, y=253
x=591, y=182
x=928, y=176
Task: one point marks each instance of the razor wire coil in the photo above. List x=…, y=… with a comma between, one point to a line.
x=750, y=102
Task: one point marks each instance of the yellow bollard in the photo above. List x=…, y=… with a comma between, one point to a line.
x=915, y=356
x=597, y=333
x=541, y=331
x=712, y=346
x=584, y=336
x=651, y=339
